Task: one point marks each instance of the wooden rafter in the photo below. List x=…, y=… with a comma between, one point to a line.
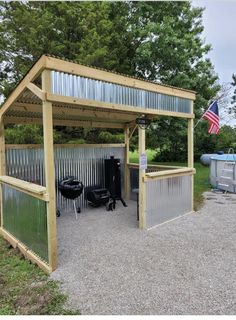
x=30, y=76
x=66, y=123
x=81, y=112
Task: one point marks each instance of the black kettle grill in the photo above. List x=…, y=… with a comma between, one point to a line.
x=70, y=188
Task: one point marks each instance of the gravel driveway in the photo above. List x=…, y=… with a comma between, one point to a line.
x=187, y=266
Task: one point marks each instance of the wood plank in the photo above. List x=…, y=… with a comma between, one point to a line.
x=28, y=254
x=76, y=69
x=169, y=173
x=126, y=162
x=142, y=184
x=36, y=90
x=69, y=145
x=157, y=166
x=113, y=106
x=30, y=76
x=49, y=172
x=67, y=123
x=25, y=185
x=75, y=111
x=29, y=188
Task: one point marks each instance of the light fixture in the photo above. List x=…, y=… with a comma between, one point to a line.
x=143, y=122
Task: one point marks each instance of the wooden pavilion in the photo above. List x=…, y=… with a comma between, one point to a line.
x=61, y=93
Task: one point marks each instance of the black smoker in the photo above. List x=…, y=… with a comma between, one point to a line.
x=113, y=180
x=70, y=188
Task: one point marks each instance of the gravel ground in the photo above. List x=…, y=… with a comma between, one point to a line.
x=186, y=266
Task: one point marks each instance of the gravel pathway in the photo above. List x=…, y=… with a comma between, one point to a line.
x=187, y=266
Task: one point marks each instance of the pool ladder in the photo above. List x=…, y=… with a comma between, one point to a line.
x=227, y=177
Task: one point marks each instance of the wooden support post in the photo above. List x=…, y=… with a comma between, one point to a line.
x=2, y=163
x=142, y=184
x=190, y=143
x=126, y=164
x=191, y=151
x=49, y=172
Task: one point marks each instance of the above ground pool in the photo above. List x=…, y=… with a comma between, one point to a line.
x=227, y=176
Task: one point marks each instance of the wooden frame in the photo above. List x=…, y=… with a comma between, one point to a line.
x=81, y=70
x=75, y=112
x=29, y=188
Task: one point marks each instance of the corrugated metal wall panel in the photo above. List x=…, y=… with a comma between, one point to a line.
x=85, y=88
x=25, y=217
x=167, y=199
x=86, y=163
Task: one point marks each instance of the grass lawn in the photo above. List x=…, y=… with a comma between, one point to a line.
x=25, y=289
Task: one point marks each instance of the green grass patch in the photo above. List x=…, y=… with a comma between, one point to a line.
x=25, y=289
x=201, y=178
x=133, y=156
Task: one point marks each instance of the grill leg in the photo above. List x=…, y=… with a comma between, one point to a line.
x=74, y=203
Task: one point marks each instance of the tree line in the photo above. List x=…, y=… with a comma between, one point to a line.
x=159, y=41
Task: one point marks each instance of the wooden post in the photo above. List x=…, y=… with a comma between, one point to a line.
x=191, y=151
x=142, y=185
x=127, y=171
x=2, y=163
x=49, y=172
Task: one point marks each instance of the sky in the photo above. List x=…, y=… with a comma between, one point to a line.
x=219, y=21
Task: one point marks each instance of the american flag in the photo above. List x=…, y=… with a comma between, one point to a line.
x=212, y=115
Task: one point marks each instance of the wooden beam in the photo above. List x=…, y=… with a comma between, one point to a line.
x=36, y=90
x=76, y=69
x=169, y=173
x=132, y=131
x=82, y=112
x=67, y=123
x=2, y=165
x=29, y=188
x=126, y=162
x=142, y=184
x=49, y=172
x=28, y=254
x=69, y=145
x=113, y=106
x=30, y=76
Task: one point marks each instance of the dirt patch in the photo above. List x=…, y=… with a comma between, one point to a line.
x=2, y=281
x=32, y=301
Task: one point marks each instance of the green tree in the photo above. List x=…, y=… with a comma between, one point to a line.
x=159, y=41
